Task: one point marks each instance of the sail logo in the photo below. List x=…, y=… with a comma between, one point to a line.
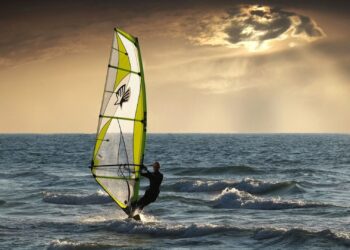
x=123, y=95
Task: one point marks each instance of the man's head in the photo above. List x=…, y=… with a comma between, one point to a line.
x=156, y=166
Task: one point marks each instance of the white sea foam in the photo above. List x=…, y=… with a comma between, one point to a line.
x=62, y=244
x=201, y=186
x=165, y=230
x=234, y=198
x=68, y=244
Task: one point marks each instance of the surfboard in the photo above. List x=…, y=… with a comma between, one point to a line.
x=121, y=132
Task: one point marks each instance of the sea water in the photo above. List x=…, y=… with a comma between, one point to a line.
x=220, y=191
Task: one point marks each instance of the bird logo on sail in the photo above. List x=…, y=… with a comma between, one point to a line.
x=123, y=95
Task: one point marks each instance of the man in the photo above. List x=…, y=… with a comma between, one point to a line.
x=152, y=192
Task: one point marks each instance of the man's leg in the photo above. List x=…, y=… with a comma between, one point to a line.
x=144, y=201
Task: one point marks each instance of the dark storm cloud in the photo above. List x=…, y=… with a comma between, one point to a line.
x=308, y=27
x=33, y=29
x=44, y=29
x=261, y=23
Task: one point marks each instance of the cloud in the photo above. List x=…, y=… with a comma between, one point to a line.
x=255, y=27
x=33, y=30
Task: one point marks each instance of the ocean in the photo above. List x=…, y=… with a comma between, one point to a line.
x=220, y=191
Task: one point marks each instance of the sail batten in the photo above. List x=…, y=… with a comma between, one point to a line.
x=127, y=70
x=121, y=118
x=112, y=177
x=121, y=132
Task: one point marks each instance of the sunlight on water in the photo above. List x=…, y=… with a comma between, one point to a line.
x=250, y=191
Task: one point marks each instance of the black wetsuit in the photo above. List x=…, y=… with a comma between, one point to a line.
x=151, y=194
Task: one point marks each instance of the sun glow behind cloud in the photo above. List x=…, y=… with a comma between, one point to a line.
x=218, y=66
x=257, y=28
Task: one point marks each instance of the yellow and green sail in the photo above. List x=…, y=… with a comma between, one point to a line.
x=121, y=132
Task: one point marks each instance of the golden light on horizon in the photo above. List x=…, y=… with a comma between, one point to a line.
x=229, y=68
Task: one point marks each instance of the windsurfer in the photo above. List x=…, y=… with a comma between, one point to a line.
x=152, y=192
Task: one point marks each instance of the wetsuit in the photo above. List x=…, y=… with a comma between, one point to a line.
x=151, y=194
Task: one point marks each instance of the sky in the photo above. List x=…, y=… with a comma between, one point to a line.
x=210, y=66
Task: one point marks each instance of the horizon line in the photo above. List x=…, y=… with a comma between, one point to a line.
x=199, y=133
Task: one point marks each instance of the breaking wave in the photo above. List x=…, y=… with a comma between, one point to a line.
x=234, y=198
x=99, y=197
x=67, y=244
x=249, y=185
x=161, y=229
x=166, y=230
x=264, y=187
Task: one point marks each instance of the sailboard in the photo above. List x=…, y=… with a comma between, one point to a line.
x=121, y=133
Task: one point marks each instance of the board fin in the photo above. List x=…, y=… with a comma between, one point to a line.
x=137, y=217
x=135, y=213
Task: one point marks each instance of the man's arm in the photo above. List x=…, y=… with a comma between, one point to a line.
x=145, y=174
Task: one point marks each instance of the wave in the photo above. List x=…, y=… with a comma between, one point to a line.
x=99, y=197
x=239, y=169
x=161, y=229
x=306, y=170
x=170, y=230
x=234, y=198
x=249, y=185
x=37, y=174
x=184, y=200
x=66, y=245
x=302, y=235
x=198, y=186
x=265, y=187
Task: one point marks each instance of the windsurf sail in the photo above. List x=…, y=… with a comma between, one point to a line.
x=121, y=132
